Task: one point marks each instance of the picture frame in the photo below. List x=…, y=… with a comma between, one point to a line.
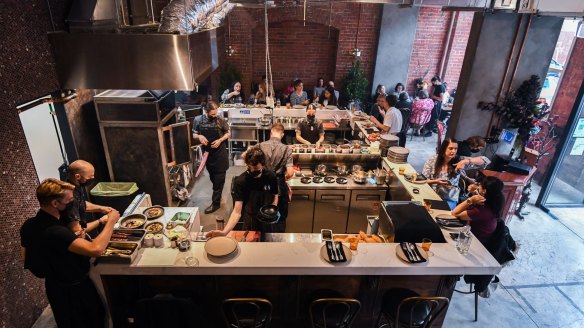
x=526, y=6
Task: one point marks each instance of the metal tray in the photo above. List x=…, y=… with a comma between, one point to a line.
x=119, y=257
x=135, y=235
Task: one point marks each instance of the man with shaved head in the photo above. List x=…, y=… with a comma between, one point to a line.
x=81, y=175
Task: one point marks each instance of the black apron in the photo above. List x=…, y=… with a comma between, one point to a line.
x=309, y=131
x=218, y=160
x=255, y=201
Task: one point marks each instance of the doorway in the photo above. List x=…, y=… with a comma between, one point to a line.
x=43, y=136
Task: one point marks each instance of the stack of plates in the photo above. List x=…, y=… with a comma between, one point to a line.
x=398, y=155
x=389, y=141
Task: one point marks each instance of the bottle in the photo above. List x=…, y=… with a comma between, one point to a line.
x=180, y=114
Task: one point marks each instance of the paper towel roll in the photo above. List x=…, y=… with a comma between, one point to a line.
x=158, y=241
x=149, y=240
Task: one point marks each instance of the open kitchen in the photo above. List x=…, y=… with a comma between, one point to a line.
x=250, y=163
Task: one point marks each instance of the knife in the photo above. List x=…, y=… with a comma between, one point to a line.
x=407, y=252
x=244, y=235
x=414, y=251
x=340, y=251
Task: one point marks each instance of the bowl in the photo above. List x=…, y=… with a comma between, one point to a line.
x=268, y=214
x=133, y=221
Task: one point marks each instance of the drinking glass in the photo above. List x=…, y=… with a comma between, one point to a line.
x=354, y=243
x=463, y=243
x=426, y=243
x=428, y=206
x=402, y=170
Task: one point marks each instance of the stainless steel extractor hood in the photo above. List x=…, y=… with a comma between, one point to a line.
x=135, y=61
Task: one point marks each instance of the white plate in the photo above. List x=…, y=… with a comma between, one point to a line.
x=346, y=249
x=220, y=246
x=400, y=253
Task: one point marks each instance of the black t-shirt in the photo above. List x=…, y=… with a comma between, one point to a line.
x=47, y=256
x=245, y=184
x=65, y=266
x=32, y=238
x=438, y=89
x=404, y=104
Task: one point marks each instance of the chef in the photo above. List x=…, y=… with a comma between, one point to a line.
x=52, y=251
x=310, y=130
x=212, y=131
x=279, y=161
x=81, y=175
x=254, y=188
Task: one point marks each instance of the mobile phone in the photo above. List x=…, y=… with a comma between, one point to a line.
x=326, y=234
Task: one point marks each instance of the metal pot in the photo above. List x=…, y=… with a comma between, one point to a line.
x=321, y=169
x=359, y=177
x=356, y=168
x=342, y=170
x=380, y=176
x=345, y=149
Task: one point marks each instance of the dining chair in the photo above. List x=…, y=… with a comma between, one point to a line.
x=333, y=312
x=405, y=308
x=406, y=113
x=247, y=312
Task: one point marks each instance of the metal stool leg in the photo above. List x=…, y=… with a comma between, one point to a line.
x=476, y=295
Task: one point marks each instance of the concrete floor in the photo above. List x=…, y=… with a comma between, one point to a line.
x=543, y=287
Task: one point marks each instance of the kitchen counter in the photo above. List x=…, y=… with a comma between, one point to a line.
x=426, y=192
x=370, y=184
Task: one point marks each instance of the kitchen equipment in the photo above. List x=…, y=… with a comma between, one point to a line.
x=329, y=179
x=345, y=149
x=380, y=176
x=320, y=170
x=341, y=180
x=305, y=180
x=331, y=209
x=342, y=170
x=300, y=215
x=317, y=179
x=363, y=203
x=119, y=252
x=359, y=177
x=356, y=168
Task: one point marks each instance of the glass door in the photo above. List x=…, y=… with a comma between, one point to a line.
x=565, y=186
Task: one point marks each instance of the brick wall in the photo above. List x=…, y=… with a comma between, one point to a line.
x=304, y=44
x=429, y=45
x=26, y=72
x=565, y=98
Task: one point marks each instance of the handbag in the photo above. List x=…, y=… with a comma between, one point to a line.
x=447, y=192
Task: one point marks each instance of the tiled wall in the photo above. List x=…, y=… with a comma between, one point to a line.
x=26, y=72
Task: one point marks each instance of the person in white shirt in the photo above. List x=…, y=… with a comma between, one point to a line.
x=392, y=122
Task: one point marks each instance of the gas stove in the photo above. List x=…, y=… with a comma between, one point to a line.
x=331, y=182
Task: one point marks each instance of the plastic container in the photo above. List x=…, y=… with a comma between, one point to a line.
x=114, y=194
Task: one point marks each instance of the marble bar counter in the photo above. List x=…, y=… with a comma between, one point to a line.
x=299, y=254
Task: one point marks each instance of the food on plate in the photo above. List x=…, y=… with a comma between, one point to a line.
x=362, y=236
x=154, y=227
x=154, y=211
x=133, y=223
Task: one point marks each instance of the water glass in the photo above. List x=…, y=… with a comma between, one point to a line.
x=463, y=243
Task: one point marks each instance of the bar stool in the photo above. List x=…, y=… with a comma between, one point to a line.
x=247, y=312
x=333, y=312
x=406, y=308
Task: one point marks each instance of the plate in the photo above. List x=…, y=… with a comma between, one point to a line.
x=409, y=179
x=133, y=221
x=220, y=246
x=153, y=212
x=445, y=216
x=403, y=257
x=154, y=227
x=346, y=249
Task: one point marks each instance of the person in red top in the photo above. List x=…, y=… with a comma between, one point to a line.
x=483, y=209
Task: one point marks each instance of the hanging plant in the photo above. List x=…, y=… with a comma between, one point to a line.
x=521, y=109
x=355, y=83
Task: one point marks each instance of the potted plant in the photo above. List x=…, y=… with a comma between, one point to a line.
x=355, y=84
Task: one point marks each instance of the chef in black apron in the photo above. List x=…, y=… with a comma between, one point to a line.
x=212, y=131
x=310, y=130
x=279, y=161
x=254, y=188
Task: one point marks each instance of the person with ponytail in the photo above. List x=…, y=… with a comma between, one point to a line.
x=483, y=209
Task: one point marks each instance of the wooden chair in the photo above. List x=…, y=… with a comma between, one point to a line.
x=406, y=308
x=333, y=312
x=247, y=312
